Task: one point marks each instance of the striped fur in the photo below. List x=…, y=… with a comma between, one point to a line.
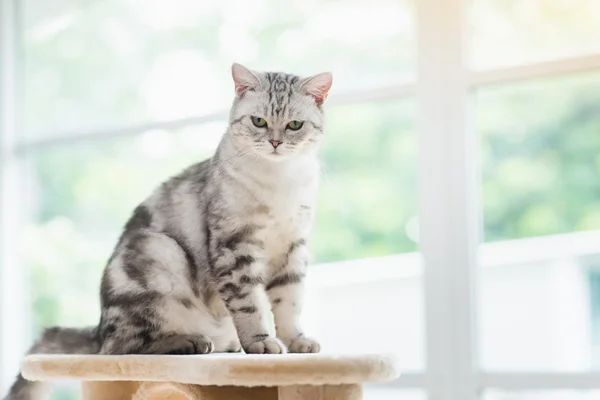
x=205, y=258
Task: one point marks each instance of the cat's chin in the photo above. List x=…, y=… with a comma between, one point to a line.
x=275, y=156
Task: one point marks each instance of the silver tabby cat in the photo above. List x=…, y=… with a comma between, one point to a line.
x=206, y=259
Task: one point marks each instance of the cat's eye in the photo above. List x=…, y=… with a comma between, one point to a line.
x=259, y=122
x=295, y=125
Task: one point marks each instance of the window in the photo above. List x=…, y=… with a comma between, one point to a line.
x=540, y=178
x=459, y=215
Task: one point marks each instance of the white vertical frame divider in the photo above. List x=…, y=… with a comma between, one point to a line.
x=14, y=308
x=448, y=210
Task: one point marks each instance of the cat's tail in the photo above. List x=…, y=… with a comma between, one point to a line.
x=54, y=341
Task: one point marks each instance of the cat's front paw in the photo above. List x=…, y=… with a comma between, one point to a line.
x=303, y=344
x=268, y=345
x=187, y=344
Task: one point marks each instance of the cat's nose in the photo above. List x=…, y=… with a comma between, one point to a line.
x=275, y=143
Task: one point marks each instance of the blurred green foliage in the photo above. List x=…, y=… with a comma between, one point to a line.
x=95, y=64
x=540, y=156
x=98, y=64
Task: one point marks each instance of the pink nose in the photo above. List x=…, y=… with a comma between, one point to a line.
x=275, y=143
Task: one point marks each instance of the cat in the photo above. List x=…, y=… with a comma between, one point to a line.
x=219, y=251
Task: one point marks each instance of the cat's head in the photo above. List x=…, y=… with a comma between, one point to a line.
x=277, y=115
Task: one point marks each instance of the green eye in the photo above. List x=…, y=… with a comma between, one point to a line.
x=259, y=122
x=295, y=125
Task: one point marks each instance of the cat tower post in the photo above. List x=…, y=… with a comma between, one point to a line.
x=215, y=376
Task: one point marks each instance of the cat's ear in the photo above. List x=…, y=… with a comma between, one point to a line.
x=244, y=79
x=317, y=86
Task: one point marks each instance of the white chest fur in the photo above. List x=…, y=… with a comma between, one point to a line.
x=285, y=193
x=291, y=201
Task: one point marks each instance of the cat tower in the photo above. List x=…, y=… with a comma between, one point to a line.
x=215, y=376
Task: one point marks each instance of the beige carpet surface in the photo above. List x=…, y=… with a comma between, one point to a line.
x=216, y=369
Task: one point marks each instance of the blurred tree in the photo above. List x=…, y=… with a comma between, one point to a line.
x=541, y=147
x=94, y=64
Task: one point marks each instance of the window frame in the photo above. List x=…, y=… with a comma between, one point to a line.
x=14, y=302
x=449, y=212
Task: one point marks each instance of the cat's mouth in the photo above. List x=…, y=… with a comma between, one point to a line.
x=275, y=155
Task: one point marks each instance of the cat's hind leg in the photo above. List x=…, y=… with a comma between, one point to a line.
x=150, y=271
x=164, y=344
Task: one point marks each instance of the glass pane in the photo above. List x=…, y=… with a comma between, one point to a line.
x=540, y=145
x=368, y=204
x=537, y=316
x=541, y=200
x=91, y=64
x=513, y=32
x=542, y=395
